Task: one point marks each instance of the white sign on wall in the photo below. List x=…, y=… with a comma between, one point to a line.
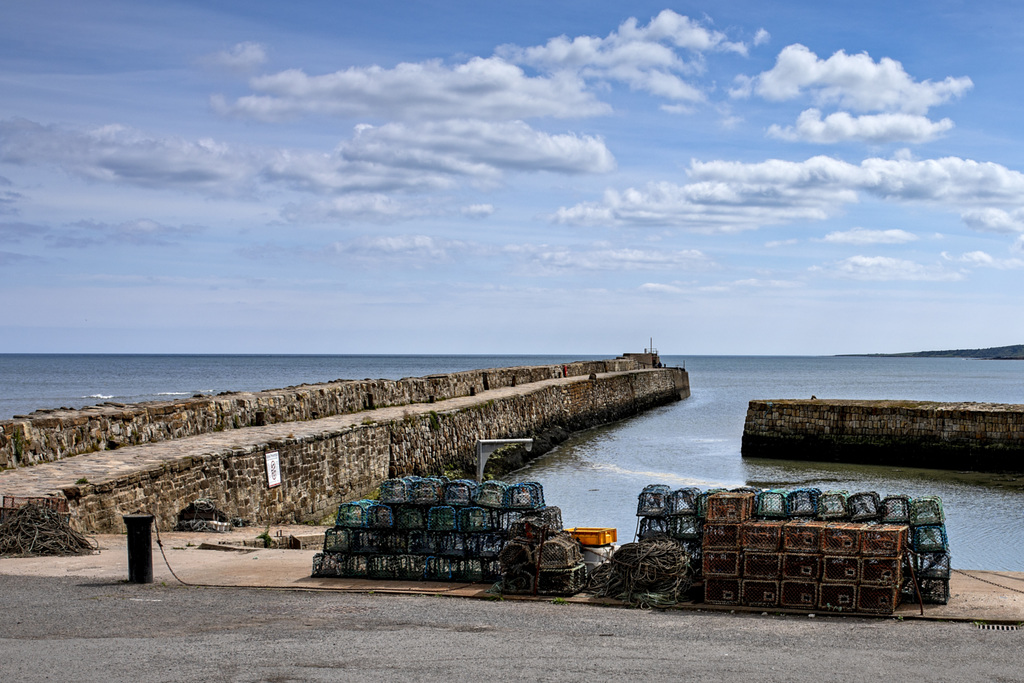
x=273, y=469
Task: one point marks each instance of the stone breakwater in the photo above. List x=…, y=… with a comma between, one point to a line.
x=48, y=435
x=984, y=437
x=327, y=460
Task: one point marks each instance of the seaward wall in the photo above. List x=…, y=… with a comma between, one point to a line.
x=325, y=461
x=983, y=437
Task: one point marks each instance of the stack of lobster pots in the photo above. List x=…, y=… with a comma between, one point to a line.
x=428, y=528
x=832, y=551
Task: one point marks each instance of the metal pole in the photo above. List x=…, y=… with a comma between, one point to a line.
x=140, y=548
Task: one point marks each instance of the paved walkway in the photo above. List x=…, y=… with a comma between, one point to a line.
x=975, y=596
x=105, y=466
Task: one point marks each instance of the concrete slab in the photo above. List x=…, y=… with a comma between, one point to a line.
x=987, y=596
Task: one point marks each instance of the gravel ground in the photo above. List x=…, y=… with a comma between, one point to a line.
x=83, y=629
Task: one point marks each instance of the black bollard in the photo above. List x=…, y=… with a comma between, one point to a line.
x=140, y=548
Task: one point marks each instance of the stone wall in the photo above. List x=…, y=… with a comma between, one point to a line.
x=319, y=470
x=961, y=436
x=49, y=435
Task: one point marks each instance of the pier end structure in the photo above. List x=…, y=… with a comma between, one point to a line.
x=982, y=437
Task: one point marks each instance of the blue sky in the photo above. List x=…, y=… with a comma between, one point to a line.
x=735, y=177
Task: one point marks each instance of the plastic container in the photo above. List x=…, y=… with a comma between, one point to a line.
x=588, y=535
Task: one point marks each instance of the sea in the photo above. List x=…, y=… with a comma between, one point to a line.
x=596, y=476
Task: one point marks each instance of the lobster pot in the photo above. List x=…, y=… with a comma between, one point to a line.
x=468, y=569
x=326, y=564
x=723, y=564
x=730, y=507
x=801, y=567
x=762, y=565
x=491, y=494
x=932, y=565
x=719, y=536
x=762, y=536
x=459, y=492
x=878, y=599
x=832, y=505
x=702, y=501
x=420, y=542
x=394, y=542
x=718, y=591
x=474, y=519
x=926, y=511
x=410, y=517
x=653, y=500
x=563, y=581
x=896, y=509
x=450, y=544
x=760, y=593
x=799, y=594
x=887, y=540
x=865, y=506
x=695, y=551
x=837, y=597
x=840, y=569
x=380, y=517
x=353, y=566
x=653, y=526
x=426, y=490
x=802, y=536
x=682, y=501
x=506, y=519
x=442, y=518
x=394, y=491
x=411, y=567
x=930, y=539
x=338, y=540
x=841, y=539
x=881, y=571
x=485, y=546
x=533, y=521
x=368, y=542
x=745, y=489
x=771, y=504
x=803, y=502
x=933, y=591
x=528, y=495
x=491, y=569
x=437, y=569
x=382, y=567
x=684, y=527
x=515, y=555
x=559, y=552
x=353, y=514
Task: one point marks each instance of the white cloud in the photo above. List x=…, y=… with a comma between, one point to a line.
x=981, y=259
x=761, y=37
x=863, y=236
x=781, y=243
x=643, y=57
x=368, y=206
x=491, y=89
x=141, y=231
x=240, y=58
x=477, y=210
x=994, y=220
x=852, y=82
x=727, y=196
x=416, y=248
x=883, y=268
x=546, y=258
x=869, y=128
x=659, y=288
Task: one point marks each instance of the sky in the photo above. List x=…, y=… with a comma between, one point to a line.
x=737, y=177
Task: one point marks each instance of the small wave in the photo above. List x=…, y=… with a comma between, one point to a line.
x=103, y=396
x=172, y=393
x=667, y=477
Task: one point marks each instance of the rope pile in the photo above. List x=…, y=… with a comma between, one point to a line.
x=36, y=530
x=654, y=572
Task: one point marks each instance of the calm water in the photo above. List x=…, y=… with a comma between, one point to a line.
x=596, y=476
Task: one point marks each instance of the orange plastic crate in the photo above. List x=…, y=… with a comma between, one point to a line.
x=594, y=535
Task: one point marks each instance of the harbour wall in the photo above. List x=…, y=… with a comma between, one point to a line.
x=54, y=434
x=983, y=437
x=329, y=460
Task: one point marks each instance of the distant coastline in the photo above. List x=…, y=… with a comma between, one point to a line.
x=1015, y=352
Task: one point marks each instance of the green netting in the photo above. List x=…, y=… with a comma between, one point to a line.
x=684, y=527
x=379, y=517
x=460, y=492
x=410, y=517
x=527, y=495
x=803, y=502
x=491, y=494
x=702, y=501
x=771, y=504
x=926, y=511
x=652, y=500
x=442, y=518
x=932, y=565
x=682, y=501
x=338, y=540
x=474, y=519
x=395, y=490
x=353, y=514
x=896, y=509
x=427, y=491
x=832, y=505
x=930, y=539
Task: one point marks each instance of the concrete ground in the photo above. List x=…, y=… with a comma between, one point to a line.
x=78, y=619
